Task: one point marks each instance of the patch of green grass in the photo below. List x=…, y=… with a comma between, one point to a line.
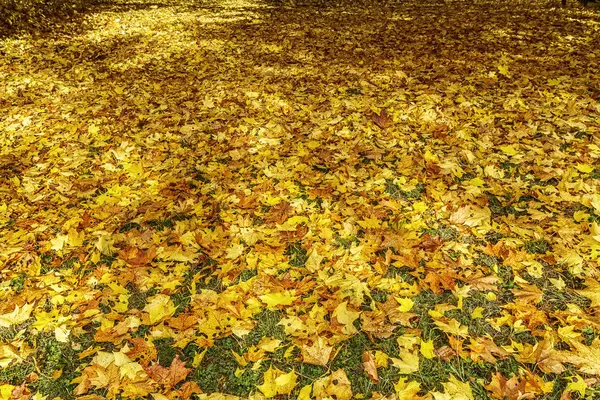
x=507, y=276
x=479, y=392
x=211, y=283
x=266, y=326
x=558, y=389
x=137, y=301
x=447, y=233
x=403, y=273
x=55, y=388
x=130, y=226
x=554, y=299
x=53, y=356
x=15, y=374
x=525, y=337
x=244, y=384
x=589, y=335
x=8, y=334
x=142, y=331
x=217, y=367
x=181, y=300
x=493, y=237
x=476, y=299
x=349, y=357
x=510, y=169
x=69, y=262
x=165, y=351
x=18, y=282
x=297, y=254
x=540, y=246
x=161, y=224
x=246, y=275
x=432, y=373
x=201, y=178
x=106, y=260
x=486, y=260
x=379, y=296
x=425, y=301
x=346, y=242
x=394, y=191
x=46, y=261
x=500, y=209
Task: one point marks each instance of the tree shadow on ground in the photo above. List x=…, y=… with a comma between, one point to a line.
x=231, y=68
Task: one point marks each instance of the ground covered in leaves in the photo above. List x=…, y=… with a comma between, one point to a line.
x=246, y=199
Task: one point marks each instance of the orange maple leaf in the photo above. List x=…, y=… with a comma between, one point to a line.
x=171, y=376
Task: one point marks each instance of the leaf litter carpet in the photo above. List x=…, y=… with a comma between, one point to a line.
x=309, y=200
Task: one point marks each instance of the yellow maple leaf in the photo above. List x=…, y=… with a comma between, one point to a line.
x=337, y=384
x=346, y=317
x=93, y=129
x=407, y=390
x=235, y=250
x=427, y=349
x=477, y=181
x=75, y=238
x=592, y=292
x=503, y=69
x=369, y=223
x=16, y=316
x=419, y=206
x=59, y=242
x=285, y=383
x=6, y=391
x=272, y=300
x=305, y=392
x=313, y=262
x=509, y=149
x=407, y=363
x=159, y=307
x=276, y=382
x=477, y=312
x=269, y=344
x=406, y=304
x=577, y=384
x=292, y=223
x=585, y=168
x=479, y=216
x=454, y=390
x=453, y=327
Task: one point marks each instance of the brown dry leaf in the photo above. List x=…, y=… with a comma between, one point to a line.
x=370, y=367
x=508, y=389
x=171, y=376
x=382, y=120
x=188, y=389
x=143, y=351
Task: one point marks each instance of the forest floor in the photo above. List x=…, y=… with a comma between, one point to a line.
x=350, y=200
